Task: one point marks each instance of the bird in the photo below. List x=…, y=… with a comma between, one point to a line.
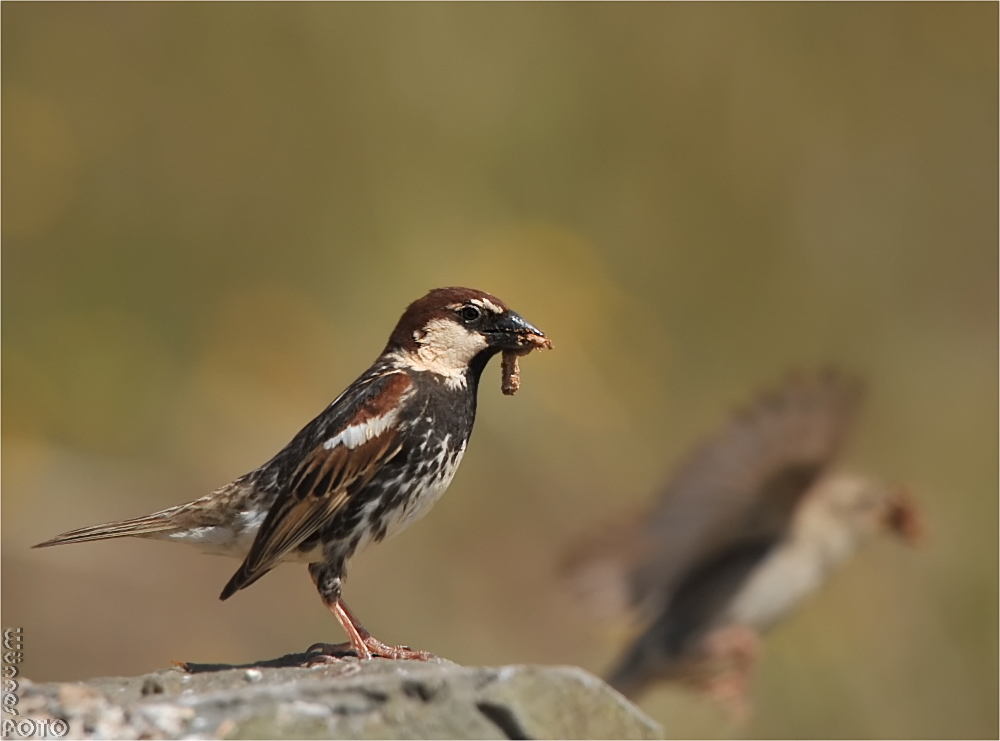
x=749, y=525
x=371, y=463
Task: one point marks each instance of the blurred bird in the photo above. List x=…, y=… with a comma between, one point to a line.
x=370, y=464
x=749, y=525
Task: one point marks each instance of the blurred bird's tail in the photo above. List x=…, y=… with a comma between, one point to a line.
x=146, y=525
x=637, y=668
x=626, y=679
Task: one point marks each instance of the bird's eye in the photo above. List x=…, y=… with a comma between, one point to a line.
x=470, y=313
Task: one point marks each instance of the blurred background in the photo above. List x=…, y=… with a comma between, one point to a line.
x=213, y=215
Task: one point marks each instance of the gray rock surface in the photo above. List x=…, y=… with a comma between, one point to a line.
x=351, y=699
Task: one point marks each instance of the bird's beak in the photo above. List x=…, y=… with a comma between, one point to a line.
x=512, y=332
x=902, y=516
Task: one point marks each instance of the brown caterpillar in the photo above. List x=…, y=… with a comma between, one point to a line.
x=510, y=380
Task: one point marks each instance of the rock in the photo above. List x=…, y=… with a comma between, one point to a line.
x=351, y=699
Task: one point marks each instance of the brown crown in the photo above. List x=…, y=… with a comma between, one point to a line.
x=432, y=306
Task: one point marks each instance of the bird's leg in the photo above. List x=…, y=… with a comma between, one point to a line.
x=356, y=634
x=326, y=577
x=366, y=645
x=736, y=649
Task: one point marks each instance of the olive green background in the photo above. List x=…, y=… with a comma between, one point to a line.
x=213, y=214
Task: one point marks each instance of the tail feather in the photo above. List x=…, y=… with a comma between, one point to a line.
x=634, y=672
x=652, y=657
x=154, y=523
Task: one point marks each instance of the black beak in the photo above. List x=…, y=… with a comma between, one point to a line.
x=903, y=517
x=512, y=332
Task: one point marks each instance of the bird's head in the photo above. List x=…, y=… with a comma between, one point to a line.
x=454, y=331
x=866, y=507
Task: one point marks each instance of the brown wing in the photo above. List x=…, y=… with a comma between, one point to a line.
x=320, y=488
x=342, y=449
x=739, y=487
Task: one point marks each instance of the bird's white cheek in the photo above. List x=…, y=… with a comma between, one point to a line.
x=445, y=348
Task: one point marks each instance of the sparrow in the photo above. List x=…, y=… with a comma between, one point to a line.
x=750, y=524
x=376, y=459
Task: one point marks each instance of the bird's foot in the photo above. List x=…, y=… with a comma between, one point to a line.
x=365, y=645
x=332, y=653
x=328, y=653
x=400, y=653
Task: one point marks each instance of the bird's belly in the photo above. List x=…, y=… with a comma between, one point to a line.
x=414, y=497
x=781, y=581
x=420, y=503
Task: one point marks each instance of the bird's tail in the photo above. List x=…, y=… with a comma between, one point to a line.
x=634, y=672
x=656, y=655
x=154, y=523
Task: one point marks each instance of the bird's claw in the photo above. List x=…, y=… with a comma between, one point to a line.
x=332, y=653
x=399, y=653
x=328, y=653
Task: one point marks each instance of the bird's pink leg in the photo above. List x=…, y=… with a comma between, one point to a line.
x=736, y=649
x=365, y=645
